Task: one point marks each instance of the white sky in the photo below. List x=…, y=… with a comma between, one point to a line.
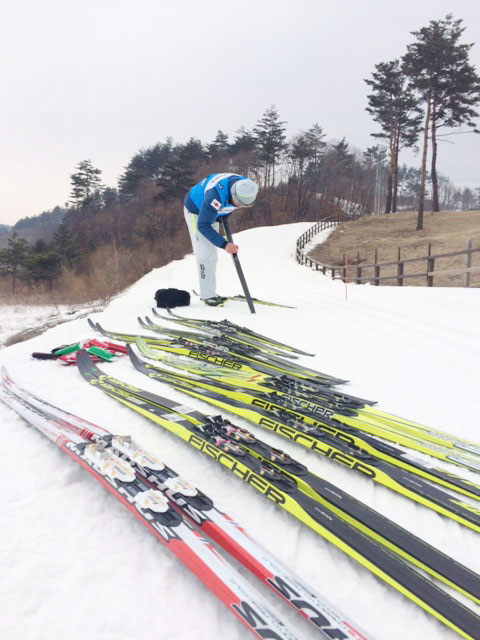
x=100, y=79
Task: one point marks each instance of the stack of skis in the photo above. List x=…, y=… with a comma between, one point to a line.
x=259, y=379
x=179, y=516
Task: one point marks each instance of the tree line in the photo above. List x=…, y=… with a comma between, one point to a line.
x=305, y=177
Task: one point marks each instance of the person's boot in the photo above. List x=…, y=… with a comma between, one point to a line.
x=216, y=301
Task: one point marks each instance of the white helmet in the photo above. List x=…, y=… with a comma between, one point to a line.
x=244, y=192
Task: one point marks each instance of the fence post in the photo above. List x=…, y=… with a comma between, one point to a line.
x=376, y=272
x=430, y=269
x=400, y=274
x=345, y=274
x=359, y=275
x=399, y=268
x=468, y=262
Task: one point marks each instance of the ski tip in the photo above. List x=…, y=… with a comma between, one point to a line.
x=134, y=359
x=100, y=329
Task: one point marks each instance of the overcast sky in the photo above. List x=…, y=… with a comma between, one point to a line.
x=101, y=79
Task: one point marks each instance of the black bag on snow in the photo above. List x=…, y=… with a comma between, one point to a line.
x=172, y=298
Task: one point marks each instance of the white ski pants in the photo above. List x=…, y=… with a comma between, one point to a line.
x=206, y=256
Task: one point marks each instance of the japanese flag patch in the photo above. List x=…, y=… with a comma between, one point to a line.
x=215, y=204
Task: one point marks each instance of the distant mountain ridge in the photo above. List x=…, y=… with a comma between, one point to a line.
x=33, y=228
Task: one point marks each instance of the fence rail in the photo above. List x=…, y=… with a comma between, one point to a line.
x=342, y=272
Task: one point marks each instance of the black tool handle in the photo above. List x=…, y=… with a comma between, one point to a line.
x=238, y=267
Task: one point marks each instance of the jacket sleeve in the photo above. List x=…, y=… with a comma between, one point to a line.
x=207, y=216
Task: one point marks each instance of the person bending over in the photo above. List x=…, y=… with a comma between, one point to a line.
x=205, y=204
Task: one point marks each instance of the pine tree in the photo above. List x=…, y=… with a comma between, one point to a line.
x=439, y=68
x=342, y=156
x=66, y=241
x=270, y=134
x=300, y=154
x=395, y=107
x=374, y=161
x=147, y=164
x=304, y=152
x=192, y=152
x=244, y=141
x=43, y=264
x=244, y=157
x=176, y=178
x=375, y=155
x=13, y=258
x=314, y=139
x=220, y=147
x=86, y=183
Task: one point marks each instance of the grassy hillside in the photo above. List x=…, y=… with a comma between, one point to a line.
x=446, y=232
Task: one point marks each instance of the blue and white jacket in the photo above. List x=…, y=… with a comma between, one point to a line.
x=210, y=199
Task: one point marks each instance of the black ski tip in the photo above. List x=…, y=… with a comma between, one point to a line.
x=44, y=356
x=101, y=330
x=134, y=359
x=85, y=365
x=142, y=323
x=159, y=315
x=96, y=327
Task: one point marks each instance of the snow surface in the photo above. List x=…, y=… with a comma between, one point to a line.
x=75, y=564
x=19, y=318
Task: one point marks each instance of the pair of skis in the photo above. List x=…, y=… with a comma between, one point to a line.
x=178, y=515
x=377, y=544
x=225, y=327
x=240, y=298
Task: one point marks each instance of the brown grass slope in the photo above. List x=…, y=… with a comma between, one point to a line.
x=447, y=232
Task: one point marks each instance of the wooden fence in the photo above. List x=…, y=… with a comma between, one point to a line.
x=326, y=223
x=356, y=273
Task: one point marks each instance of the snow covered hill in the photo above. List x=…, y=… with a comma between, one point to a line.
x=74, y=564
